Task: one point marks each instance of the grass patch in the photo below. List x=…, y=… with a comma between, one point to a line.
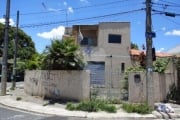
x=115, y=101
x=92, y=106
x=18, y=98
x=71, y=106
x=141, y=108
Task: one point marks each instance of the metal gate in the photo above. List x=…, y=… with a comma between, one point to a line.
x=105, y=83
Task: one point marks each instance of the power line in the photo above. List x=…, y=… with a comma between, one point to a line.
x=172, y=21
x=166, y=13
x=165, y=5
x=81, y=19
x=172, y=3
x=77, y=8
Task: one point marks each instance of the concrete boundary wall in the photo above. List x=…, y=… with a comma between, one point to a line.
x=71, y=85
x=162, y=83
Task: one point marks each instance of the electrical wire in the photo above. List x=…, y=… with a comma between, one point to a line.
x=164, y=12
x=77, y=8
x=172, y=3
x=105, y=6
x=165, y=5
x=172, y=21
x=81, y=19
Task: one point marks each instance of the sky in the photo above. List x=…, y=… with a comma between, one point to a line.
x=45, y=20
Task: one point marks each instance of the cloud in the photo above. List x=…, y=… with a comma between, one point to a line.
x=174, y=50
x=163, y=28
x=65, y=3
x=55, y=33
x=160, y=50
x=12, y=23
x=70, y=10
x=173, y=33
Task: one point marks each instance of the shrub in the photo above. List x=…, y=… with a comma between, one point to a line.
x=115, y=101
x=141, y=108
x=109, y=108
x=70, y=106
x=18, y=98
x=92, y=106
x=160, y=65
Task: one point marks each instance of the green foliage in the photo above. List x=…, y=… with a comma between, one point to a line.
x=25, y=45
x=141, y=108
x=70, y=106
x=25, y=49
x=18, y=98
x=63, y=55
x=115, y=101
x=134, y=46
x=35, y=62
x=92, y=106
x=160, y=65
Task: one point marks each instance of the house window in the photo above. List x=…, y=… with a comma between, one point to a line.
x=122, y=67
x=88, y=42
x=112, y=38
x=84, y=41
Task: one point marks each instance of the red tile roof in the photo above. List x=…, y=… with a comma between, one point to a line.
x=158, y=54
x=135, y=52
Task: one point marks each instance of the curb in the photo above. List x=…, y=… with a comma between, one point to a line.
x=49, y=110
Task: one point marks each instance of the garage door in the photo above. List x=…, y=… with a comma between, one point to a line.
x=97, y=72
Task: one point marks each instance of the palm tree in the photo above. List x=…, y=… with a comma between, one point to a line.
x=63, y=55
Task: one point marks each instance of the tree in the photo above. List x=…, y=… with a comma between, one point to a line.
x=63, y=55
x=134, y=46
x=160, y=65
x=25, y=48
x=25, y=45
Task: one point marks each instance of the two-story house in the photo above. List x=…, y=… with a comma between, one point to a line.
x=106, y=49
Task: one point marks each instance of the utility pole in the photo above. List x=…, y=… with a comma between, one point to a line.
x=149, y=61
x=5, y=51
x=15, y=53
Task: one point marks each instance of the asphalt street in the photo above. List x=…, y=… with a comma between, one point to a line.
x=10, y=114
x=13, y=114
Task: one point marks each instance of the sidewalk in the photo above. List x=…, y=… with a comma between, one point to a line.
x=38, y=105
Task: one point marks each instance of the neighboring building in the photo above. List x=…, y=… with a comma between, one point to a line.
x=106, y=49
x=162, y=82
x=138, y=56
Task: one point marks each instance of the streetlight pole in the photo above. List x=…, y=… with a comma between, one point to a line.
x=149, y=61
x=5, y=51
